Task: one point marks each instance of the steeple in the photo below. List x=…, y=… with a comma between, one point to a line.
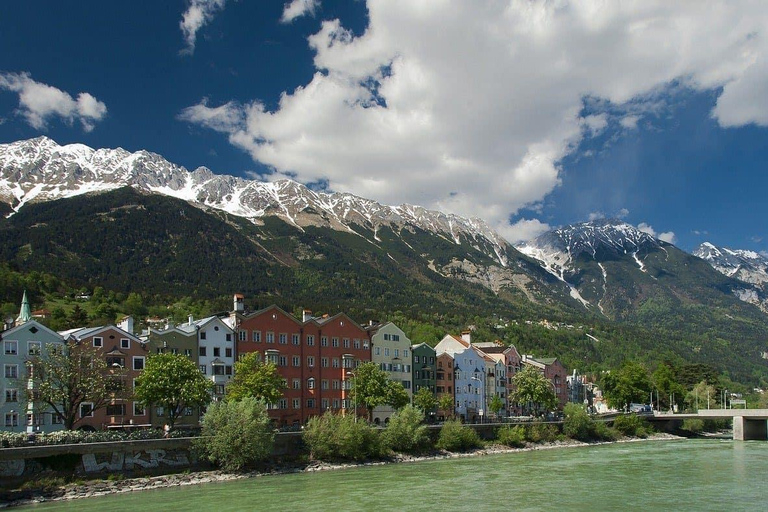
x=25, y=314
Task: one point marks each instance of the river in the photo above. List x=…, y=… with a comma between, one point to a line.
x=653, y=475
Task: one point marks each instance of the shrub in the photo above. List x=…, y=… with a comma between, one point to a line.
x=604, y=433
x=333, y=437
x=236, y=434
x=456, y=437
x=542, y=433
x=406, y=431
x=631, y=425
x=693, y=425
x=578, y=424
x=511, y=436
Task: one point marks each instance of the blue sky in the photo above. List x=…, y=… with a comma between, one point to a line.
x=529, y=115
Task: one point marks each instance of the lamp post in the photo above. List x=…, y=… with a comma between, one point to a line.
x=352, y=374
x=482, y=388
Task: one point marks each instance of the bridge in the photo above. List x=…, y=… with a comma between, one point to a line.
x=748, y=424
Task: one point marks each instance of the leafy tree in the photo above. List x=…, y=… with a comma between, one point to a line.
x=629, y=383
x=496, y=405
x=77, y=317
x=406, y=431
x=702, y=396
x=336, y=436
x=445, y=403
x=65, y=379
x=665, y=381
x=532, y=387
x=424, y=400
x=236, y=434
x=371, y=388
x=255, y=378
x=577, y=423
x=455, y=437
x=174, y=383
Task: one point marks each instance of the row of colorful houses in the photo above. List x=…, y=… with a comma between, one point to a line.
x=317, y=357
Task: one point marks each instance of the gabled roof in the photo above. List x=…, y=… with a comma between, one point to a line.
x=87, y=332
x=422, y=344
x=326, y=320
x=267, y=310
x=199, y=324
x=29, y=324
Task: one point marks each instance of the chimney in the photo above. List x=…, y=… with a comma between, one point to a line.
x=126, y=324
x=466, y=336
x=238, y=306
x=190, y=320
x=306, y=315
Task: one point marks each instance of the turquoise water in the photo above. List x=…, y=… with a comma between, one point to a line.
x=653, y=475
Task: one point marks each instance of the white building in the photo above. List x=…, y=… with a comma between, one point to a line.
x=216, y=350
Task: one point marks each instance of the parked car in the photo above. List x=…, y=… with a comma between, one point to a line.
x=640, y=408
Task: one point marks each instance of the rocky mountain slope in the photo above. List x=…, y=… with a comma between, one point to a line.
x=749, y=267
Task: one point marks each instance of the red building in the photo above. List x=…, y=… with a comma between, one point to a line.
x=122, y=350
x=444, y=383
x=315, y=357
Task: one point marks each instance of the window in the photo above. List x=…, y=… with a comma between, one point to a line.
x=397, y=352
x=11, y=419
x=282, y=338
x=310, y=340
x=203, y=351
x=297, y=403
x=295, y=339
x=386, y=351
x=431, y=359
x=11, y=348
x=311, y=383
x=98, y=342
x=395, y=337
x=346, y=342
x=187, y=411
x=324, y=362
x=11, y=371
x=138, y=362
x=219, y=389
x=270, y=337
x=86, y=410
x=188, y=352
x=218, y=369
x=282, y=403
x=334, y=342
x=34, y=348
x=335, y=403
x=335, y=362
x=336, y=384
x=228, y=336
x=387, y=337
x=114, y=361
x=283, y=361
x=203, y=335
x=256, y=336
x=296, y=384
x=377, y=351
x=310, y=403
x=11, y=395
x=116, y=410
x=310, y=361
x=228, y=370
x=174, y=351
x=407, y=384
x=324, y=403
x=416, y=359
x=242, y=335
x=160, y=411
x=323, y=341
x=55, y=348
x=296, y=361
x=125, y=343
x=139, y=409
x=216, y=352
x=203, y=369
x=365, y=344
x=324, y=384
x=405, y=353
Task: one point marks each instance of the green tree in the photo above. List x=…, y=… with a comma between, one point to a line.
x=424, y=399
x=406, y=431
x=629, y=383
x=65, y=379
x=236, y=434
x=531, y=387
x=496, y=405
x=77, y=317
x=670, y=390
x=371, y=388
x=174, y=383
x=255, y=378
x=702, y=396
x=445, y=403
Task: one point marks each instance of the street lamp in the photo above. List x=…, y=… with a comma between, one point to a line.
x=352, y=374
x=482, y=412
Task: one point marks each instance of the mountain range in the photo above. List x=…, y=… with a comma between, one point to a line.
x=136, y=222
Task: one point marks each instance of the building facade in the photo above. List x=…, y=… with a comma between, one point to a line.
x=391, y=351
x=215, y=351
x=444, y=378
x=425, y=371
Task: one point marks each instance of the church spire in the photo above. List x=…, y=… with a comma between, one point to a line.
x=25, y=314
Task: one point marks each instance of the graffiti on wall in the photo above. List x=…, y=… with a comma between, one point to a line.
x=118, y=461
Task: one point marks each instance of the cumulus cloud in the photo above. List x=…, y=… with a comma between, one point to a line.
x=299, y=8
x=198, y=14
x=667, y=236
x=470, y=106
x=523, y=230
x=39, y=102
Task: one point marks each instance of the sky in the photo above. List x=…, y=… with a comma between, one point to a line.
x=528, y=114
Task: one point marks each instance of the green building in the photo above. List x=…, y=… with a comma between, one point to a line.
x=424, y=370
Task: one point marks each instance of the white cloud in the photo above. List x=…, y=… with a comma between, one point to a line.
x=667, y=236
x=595, y=216
x=522, y=230
x=299, y=8
x=595, y=123
x=198, y=14
x=469, y=106
x=39, y=102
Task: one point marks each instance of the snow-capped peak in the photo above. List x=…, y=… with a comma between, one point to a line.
x=748, y=266
x=40, y=170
